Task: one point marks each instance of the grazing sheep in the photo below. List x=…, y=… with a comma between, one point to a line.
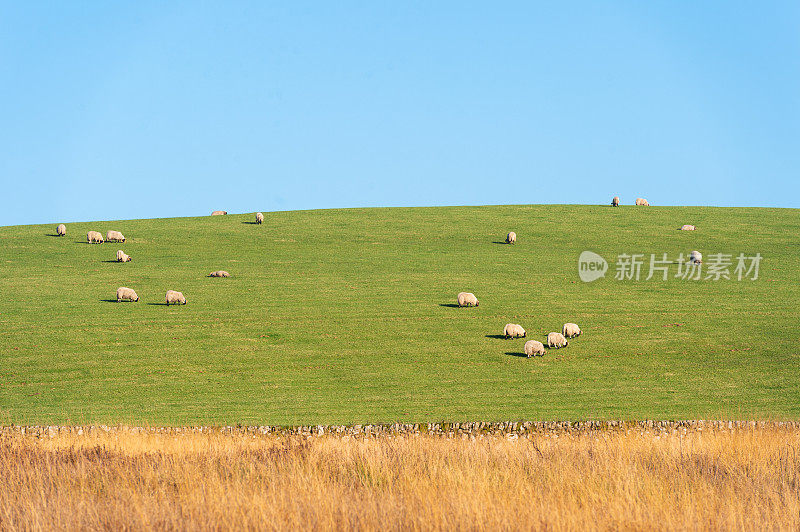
x=467, y=299
x=511, y=238
x=642, y=201
x=126, y=293
x=556, y=340
x=512, y=330
x=122, y=256
x=219, y=213
x=533, y=348
x=570, y=330
x=115, y=236
x=61, y=230
x=695, y=257
x=175, y=297
x=687, y=227
x=93, y=237
x=259, y=217
x=219, y=273
x=615, y=201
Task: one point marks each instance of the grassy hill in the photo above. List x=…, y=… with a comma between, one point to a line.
x=346, y=316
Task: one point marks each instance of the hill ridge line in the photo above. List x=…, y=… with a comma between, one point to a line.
x=420, y=207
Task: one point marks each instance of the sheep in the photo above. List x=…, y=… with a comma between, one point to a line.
x=695, y=257
x=115, y=236
x=467, y=299
x=511, y=238
x=555, y=339
x=642, y=201
x=126, y=293
x=533, y=348
x=61, y=230
x=93, y=237
x=219, y=213
x=175, y=297
x=570, y=330
x=123, y=257
x=259, y=217
x=219, y=273
x=615, y=201
x=687, y=227
x=512, y=330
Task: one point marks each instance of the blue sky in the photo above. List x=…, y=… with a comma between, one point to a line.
x=158, y=109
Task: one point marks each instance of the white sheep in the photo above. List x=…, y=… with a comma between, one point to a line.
x=93, y=237
x=570, y=330
x=695, y=257
x=642, y=201
x=115, y=236
x=513, y=330
x=219, y=273
x=511, y=238
x=126, y=293
x=259, y=217
x=467, y=299
x=123, y=257
x=556, y=340
x=219, y=213
x=533, y=348
x=687, y=227
x=61, y=230
x=615, y=201
x=175, y=297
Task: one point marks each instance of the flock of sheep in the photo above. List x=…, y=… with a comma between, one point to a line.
x=695, y=257
x=555, y=340
x=642, y=202
x=124, y=293
x=531, y=348
x=639, y=201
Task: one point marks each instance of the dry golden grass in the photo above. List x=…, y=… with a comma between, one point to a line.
x=743, y=479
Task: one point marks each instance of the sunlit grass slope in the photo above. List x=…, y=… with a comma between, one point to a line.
x=346, y=316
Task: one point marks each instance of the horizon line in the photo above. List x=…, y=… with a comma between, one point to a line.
x=403, y=207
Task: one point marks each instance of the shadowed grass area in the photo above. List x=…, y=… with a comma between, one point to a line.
x=344, y=316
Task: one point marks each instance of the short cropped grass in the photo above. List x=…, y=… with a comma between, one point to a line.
x=347, y=316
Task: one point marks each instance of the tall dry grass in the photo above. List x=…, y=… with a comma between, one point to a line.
x=746, y=479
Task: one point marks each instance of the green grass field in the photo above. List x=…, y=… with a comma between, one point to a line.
x=347, y=316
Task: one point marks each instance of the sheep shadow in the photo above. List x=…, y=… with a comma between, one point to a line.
x=112, y=261
x=54, y=234
x=159, y=304
x=449, y=305
x=498, y=242
x=496, y=336
x=108, y=300
x=251, y=223
x=516, y=354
